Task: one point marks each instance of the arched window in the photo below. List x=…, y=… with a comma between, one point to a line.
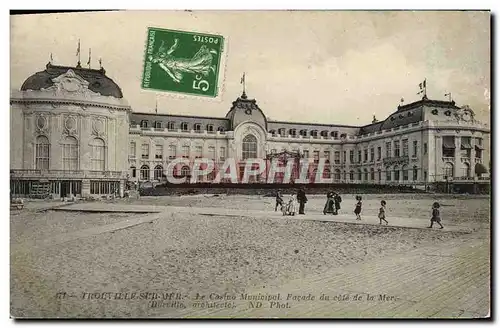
x=466, y=170
x=396, y=173
x=98, y=155
x=337, y=175
x=144, y=173
x=70, y=153
x=221, y=129
x=158, y=172
x=326, y=173
x=185, y=171
x=324, y=133
x=42, y=153
x=303, y=133
x=249, y=147
x=448, y=171
x=405, y=173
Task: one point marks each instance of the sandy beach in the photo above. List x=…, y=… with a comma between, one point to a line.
x=187, y=253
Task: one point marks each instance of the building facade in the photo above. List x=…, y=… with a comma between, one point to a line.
x=72, y=133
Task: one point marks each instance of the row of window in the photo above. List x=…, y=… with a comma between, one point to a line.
x=448, y=147
x=304, y=133
x=184, y=126
x=70, y=154
x=185, y=151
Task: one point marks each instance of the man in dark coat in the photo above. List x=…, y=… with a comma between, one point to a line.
x=302, y=199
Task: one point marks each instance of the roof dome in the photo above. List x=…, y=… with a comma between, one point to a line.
x=245, y=109
x=97, y=79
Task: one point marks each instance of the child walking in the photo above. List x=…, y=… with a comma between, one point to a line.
x=436, y=217
x=381, y=213
x=357, y=210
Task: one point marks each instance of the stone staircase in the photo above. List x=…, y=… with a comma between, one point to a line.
x=40, y=190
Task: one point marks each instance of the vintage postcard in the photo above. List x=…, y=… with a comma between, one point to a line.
x=343, y=172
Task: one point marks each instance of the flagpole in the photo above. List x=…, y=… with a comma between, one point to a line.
x=78, y=54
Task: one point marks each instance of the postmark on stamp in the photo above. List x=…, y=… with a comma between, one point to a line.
x=183, y=62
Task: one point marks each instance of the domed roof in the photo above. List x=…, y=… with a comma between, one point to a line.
x=97, y=79
x=245, y=109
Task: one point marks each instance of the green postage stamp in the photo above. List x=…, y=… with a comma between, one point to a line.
x=183, y=62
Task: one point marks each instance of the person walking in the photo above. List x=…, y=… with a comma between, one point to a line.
x=302, y=199
x=330, y=204
x=357, y=209
x=337, y=200
x=381, y=213
x=436, y=216
x=279, y=201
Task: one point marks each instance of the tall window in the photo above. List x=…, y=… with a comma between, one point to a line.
x=351, y=156
x=185, y=151
x=360, y=175
x=326, y=155
x=198, y=151
x=397, y=146
x=70, y=153
x=415, y=148
x=425, y=148
x=184, y=127
x=372, y=154
x=372, y=173
x=98, y=155
x=133, y=171
x=145, y=151
x=449, y=146
x=197, y=127
x=211, y=153
x=144, y=173
x=185, y=171
x=222, y=154
x=159, y=152
x=337, y=157
x=479, y=148
x=465, y=147
x=351, y=175
x=405, y=173
x=366, y=175
x=345, y=156
x=379, y=174
x=316, y=156
x=42, y=153
x=388, y=149
x=448, y=170
x=131, y=152
x=388, y=174
x=379, y=153
x=366, y=155
x=306, y=153
x=415, y=173
x=337, y=175
x=396, y=173
x=466, y=170
x=249, y=149
x=405, y=147
x=171, y=125
x=172, y=151
x=359, y=156
x=158, y=172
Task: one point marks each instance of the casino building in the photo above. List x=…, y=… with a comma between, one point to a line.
x=73, y=133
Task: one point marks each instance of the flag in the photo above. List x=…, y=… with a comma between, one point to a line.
x=78, y=49
x=243, y=79
x=51, y=57
x=90, y=54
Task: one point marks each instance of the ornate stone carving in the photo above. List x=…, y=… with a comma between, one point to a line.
x=71, y=83
x=70, y=125
x=41, y=124
x=98, y=126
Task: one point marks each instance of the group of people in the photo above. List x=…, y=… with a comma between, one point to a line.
x=332, y=206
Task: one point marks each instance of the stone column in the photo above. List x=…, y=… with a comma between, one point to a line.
x=458, y=157
x=85, y=188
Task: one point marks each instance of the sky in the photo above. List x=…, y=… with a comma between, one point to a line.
x=338, y=67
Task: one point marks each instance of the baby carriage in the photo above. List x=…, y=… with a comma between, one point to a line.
x=289, y=208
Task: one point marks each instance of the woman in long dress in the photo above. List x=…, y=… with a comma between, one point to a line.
x=290, y=208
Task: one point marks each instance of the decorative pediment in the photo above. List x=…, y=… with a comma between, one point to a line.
x=71, y=83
